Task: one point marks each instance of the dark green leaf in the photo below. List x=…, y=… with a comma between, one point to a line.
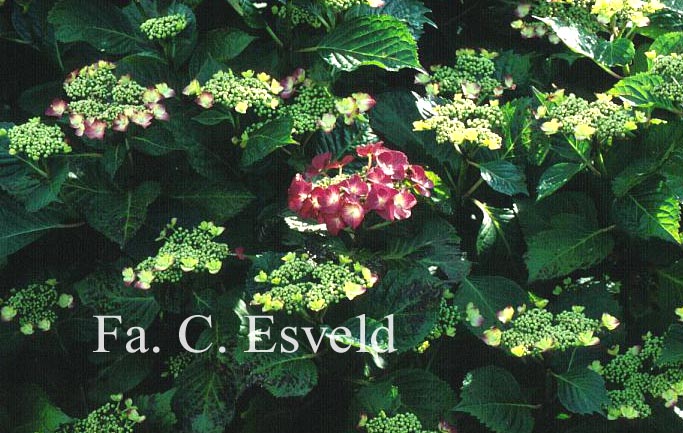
x=494, y=224
x=147, y=68
x=157, y=409
x=377, y=40
x=205, y=399
x=668, y=43
x=650, y=210
x=556, y=177
x=412, y=12
x=282, y=374
x=582, y=390
x=412, y=296
x=638, y=89
x=562, y=235
x=222, y=45
x=105, y=292
x=488, y=294
x=435, y=243
x=672, y=353
x=26, y=185
x=155, y=141
x=414, y=385
x=100, y=24
x=267, y=139
x=493, y=396
x=19, y=228
x=119, y=372
x=119, y=215
x=221, y=201
x=573, y=243
x=504, y=177
x=670, y=294
x=35, y=413
x=213, y=117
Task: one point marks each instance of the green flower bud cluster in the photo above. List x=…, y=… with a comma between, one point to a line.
x=473, y=72
x=635, y=376
x=164, y=27
x=537, y=330
x=446, y=325
x=400, y=423
x=94, y=81
x=296, y=15
x=244, y=92
x=176, y=364
x=575, y=116
x=463, y=121
x=184, y=251
x=301, y=283
x=340, y=5
x=670, y=68
x=308, y=106
x=37, y=140
x=34, y=307
x=118, y=416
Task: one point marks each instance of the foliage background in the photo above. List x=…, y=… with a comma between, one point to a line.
x=52, y=377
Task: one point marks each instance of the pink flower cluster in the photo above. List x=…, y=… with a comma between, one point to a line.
x=387, y=185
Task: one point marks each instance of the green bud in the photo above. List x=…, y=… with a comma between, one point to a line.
x=26, y=329
x=44, y=325
x=7, y=313
x=65, y=300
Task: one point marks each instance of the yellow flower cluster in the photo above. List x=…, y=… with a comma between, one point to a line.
x=636, y=11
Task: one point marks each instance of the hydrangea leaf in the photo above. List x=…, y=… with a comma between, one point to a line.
x=222, y=45
x=119, y=215
x=668, y=43
x=119, y=371
x=638, y=89
x=412, y=296
x=493, y=396
x=432, y=243
x=155, y=141
x=555, y=177
x=104, y=292
x=19, y=228
x=412, y=12
x=670, y=293
x=220, y=201
x=489, y=295
x=35, y=412
x=573, y=243
x=205, y=399
x=582, y=390
x=157, y=408
x=267, y=139
x=376, y=40
x=580, y=40
x=100, y=24
x=495, y=225
x=282, y=374
x=562, y=235
x=414, y=384
x=650, y=210
x=504, y=177
x=672, y=353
